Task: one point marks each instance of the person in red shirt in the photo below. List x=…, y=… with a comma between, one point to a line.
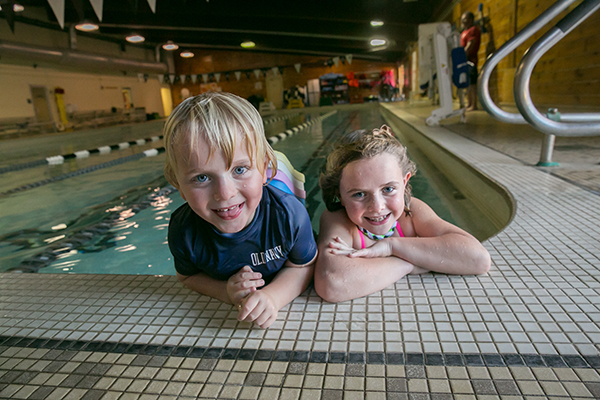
x=470, y=38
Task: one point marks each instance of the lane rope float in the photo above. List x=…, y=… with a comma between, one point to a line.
x=59, y=159
x=133, y=157
x=292, y=131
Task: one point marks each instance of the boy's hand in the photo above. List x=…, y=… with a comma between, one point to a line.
x=243, y=283
x=259, y=308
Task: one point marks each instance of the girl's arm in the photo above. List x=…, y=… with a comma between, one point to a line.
x=339, y=278
x=440, y=246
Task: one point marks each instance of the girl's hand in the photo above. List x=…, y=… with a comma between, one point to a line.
x=242, y=284
x=340, y=248
x=259, y=308
x=381, y=248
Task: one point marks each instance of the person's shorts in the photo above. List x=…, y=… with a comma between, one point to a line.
x=472, y=74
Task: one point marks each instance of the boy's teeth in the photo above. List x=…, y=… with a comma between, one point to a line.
x=227, y=209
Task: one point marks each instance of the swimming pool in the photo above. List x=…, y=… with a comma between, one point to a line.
x=113, y=220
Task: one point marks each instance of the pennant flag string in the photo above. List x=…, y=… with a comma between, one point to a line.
x=58, y=7
x=97, y=5
x=152, y=4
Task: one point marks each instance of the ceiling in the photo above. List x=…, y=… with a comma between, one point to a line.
x=324, y=28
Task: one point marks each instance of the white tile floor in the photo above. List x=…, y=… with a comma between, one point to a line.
x=528, y=328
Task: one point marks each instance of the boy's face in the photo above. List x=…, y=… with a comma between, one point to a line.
x=225, y=197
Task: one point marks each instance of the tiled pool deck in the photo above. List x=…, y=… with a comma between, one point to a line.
x=528, y=329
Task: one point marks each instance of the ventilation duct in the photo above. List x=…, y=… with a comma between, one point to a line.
x=79, y=59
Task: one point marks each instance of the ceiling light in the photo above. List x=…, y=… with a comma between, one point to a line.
x=86, y=26
x=186, y=54
x=135, y=38
x=170, y=46
x=378, y=42
x=376, y=23
x=248, y=44
x=16, y=8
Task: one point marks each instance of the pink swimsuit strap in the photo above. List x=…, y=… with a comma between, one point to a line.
x=362, y=235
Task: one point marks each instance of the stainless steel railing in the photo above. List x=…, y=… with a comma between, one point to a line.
x=553, y=123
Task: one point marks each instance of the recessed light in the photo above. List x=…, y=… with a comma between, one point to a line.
x=378, y=42
x=135, y=38
x=186, y=54
x=170, y=46
x=16, y=8
x=86, y=26
x=248, y=44
x=376, y=23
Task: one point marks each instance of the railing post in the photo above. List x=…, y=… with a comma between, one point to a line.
x=547, y=149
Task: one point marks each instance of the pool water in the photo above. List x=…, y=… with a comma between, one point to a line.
x=114, y=220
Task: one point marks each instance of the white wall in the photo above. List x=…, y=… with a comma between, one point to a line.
x=87, y=92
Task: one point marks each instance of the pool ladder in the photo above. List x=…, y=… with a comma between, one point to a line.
x=553, y=123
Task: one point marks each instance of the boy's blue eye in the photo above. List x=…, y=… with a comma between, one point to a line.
x=240, y=170
x=358, y=195
x=388, y=189
x=201, y=178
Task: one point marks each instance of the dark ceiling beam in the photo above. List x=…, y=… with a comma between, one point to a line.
x=371, y=57
x=243, y=31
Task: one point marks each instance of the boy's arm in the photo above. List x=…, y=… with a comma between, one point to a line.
x=262, y=306
x=206, y=285
x=340, y=278
x=232, y=291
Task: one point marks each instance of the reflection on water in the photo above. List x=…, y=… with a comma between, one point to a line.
x=114, y=225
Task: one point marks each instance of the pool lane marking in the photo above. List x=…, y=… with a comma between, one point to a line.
x=146, y=153
x=59, y=159
x=284, y=135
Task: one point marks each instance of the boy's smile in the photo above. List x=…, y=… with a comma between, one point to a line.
x=225, y=197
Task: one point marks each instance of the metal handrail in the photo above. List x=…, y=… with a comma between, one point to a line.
x=581, y=124
x=494, y=58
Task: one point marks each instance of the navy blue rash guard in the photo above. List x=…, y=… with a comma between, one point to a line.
x=279, y=231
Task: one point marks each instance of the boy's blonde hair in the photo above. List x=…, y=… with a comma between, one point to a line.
x=216, y=117
x=356, y=146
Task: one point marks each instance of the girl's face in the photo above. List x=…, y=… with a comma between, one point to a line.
x=226, y=197
x=372, y=192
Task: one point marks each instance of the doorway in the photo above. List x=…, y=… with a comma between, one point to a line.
x=41, y=105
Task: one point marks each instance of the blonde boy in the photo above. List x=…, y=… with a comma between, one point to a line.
x=235, y=239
